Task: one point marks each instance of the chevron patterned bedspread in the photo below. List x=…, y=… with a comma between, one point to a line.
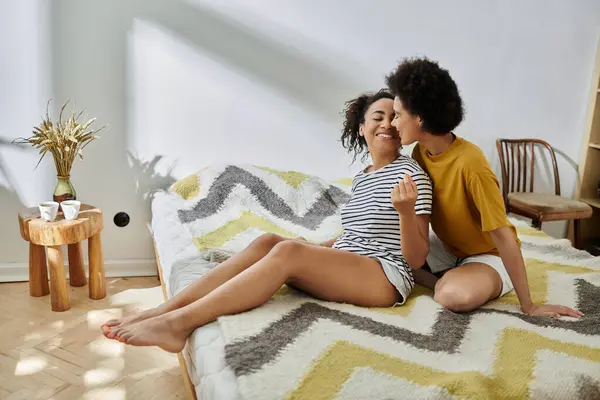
x=296, y=347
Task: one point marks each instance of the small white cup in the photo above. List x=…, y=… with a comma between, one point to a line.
x=48, y=210
x=70, y=209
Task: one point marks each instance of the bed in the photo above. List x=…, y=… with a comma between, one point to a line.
x=295, y=347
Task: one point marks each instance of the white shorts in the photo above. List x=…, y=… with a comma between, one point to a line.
x=440, y=259
x=403, y=282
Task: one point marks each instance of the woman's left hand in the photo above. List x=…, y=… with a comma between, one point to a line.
x=404, y=196
x=552, y=310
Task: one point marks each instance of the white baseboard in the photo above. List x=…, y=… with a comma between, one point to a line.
x=19, y=272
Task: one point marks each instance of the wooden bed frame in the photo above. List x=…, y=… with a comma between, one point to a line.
x=187, y=381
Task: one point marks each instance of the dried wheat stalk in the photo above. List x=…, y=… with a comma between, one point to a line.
x=63, y=139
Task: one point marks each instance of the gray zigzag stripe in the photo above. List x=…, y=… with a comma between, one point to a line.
x=249, y=355
x=589, y=389
x=326, y=205
x=570, y=253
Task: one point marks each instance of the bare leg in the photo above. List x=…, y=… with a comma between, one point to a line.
x=325, y=273
x=467, y=287
x=210, y=281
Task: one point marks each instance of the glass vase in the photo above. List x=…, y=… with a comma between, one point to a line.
x=64, y=189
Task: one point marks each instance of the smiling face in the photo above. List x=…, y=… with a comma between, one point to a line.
x=407, y=124
x=381, y=137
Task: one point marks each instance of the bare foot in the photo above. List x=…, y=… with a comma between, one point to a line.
x=162, y=331
x=109, y=325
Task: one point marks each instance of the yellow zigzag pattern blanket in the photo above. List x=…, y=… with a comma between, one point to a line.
x=296, y=347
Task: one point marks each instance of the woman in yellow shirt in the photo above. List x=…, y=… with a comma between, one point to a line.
x=473, y=243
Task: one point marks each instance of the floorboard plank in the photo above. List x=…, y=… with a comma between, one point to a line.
x=49, y=355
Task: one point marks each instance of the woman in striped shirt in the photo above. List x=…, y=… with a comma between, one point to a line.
x=385, y=233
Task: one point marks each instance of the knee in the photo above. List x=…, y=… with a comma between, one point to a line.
x=454, y=297
x=287, y=249
x=287, y=253
x=267, y=241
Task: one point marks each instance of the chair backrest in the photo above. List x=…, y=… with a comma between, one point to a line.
x=519, y=152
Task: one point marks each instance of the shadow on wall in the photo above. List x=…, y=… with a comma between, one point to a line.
x=315, y=85
x=10, y=206
x=148, y=179
x=97, y=75
x=574, y=164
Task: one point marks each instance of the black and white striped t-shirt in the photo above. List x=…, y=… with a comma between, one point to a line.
x=371, y=224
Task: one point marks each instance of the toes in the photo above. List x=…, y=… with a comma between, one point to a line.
x=114, y=333
x=125, y=337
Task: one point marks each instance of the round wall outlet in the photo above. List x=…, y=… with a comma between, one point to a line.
x=121, y=219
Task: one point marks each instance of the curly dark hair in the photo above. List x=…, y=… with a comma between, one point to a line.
x=428, y=91
x=354, y=112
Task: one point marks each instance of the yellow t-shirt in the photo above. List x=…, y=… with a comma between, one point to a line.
x=467, y=202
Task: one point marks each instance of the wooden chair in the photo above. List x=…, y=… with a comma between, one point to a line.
x=517, y=186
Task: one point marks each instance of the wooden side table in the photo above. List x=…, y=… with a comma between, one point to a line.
x=51, y=235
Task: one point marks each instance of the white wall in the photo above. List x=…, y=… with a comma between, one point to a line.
x=189, y=83
x=25, y=86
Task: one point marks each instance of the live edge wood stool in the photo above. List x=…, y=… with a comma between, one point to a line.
x=51, y=235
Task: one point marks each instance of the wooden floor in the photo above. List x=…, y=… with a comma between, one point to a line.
x=51, y=355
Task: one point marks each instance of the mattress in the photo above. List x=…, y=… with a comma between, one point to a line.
x=181, y=265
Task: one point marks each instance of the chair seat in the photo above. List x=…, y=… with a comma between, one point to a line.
x=548, y=207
